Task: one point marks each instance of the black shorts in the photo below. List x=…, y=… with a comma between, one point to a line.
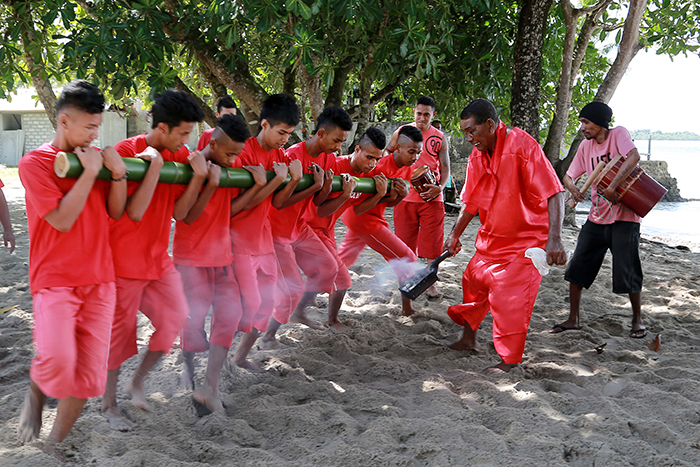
x=622, y=238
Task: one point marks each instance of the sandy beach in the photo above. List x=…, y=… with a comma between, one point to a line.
x=387, y=392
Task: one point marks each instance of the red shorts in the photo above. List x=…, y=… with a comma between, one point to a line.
x=71, y=336
x=215, y=288
x=257, y=279
x=507, y=289
x=310, y=254
x=342, y=279
x=163, y=301
x=384, y=242
x=421, y=226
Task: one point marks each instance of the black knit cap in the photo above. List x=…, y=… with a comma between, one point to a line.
x=598, y=113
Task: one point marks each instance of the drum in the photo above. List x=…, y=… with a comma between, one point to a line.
x=638, y=192
x=421, y=177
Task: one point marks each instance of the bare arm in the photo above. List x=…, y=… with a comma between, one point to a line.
x=185, y=202
x=8, y=236
x=240, y=202
x=116, y=200
x=433, y=191
x=330, y=206
x=399, y=190
x=139, y=200
x=303, y=194
x=280, y=174
x=381, y=182
x=452, y=242
x=71, y=205
x=570, y=185
x=322, y=195
x=392, y=144
x=203, y=199
x=555, y=248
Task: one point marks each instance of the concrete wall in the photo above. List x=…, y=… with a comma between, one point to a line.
x=37, y=130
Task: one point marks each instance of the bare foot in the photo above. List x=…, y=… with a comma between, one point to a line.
x=407, y=311
x=500, y=368
x=51, y=450
x=117, y=421
x=186, y=380
x=29, y=419
x=270, y=344
x=248, y=365
x=433, y=292
x=138, y=397
x=209, y=398
x=338, y=326
x=460, y=345
x=302, y=319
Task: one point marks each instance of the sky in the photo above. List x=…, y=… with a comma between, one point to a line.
x=659, y=94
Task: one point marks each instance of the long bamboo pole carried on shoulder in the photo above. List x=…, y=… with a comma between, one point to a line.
x=67, y=165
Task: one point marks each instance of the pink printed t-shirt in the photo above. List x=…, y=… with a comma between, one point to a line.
x=141, y=248
x=82, y=255
x=287, y=222
x=432, y=144
x=589, y=154
x=373, y=220
x=251, y=233
x=510, y=190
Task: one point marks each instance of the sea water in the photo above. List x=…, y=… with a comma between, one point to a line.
x=674, y=223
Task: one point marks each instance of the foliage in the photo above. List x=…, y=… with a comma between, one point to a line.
x=660, y=135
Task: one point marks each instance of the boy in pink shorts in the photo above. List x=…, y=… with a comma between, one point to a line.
x=254, y=262
x=203, y=257
x=70, y=264
x=146, y=277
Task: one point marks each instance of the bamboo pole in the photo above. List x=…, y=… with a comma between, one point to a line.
x=67, y=165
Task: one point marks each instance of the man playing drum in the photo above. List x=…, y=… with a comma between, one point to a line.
x=609, y=226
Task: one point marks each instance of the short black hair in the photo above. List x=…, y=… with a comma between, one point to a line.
x=173, y=107
x=280, y=108
x=374, y=136
x=234, y=127
x=334, y=117
x=81, y=95
x=225, y=102
x=481, y=110
x=426, y=100
x=411, y=132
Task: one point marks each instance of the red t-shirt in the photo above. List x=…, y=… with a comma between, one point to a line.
x=204, y=139
x=141, y=248
x=207, y=241
x=1, y=184
x=432, y=144
x=589, y=154
x=287, y=223
x=373, y=220
x=341, y=165
x=75, y=258
x=251, y=233
x=510, y=192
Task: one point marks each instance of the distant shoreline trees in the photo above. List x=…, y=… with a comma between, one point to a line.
x=660, y=135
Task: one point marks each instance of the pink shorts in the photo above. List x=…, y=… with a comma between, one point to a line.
x=257, y=279
x=163, y=301
x=310, y=254
x=215, y=288
x=421, y=226
x=507, y=289
x=384, y=242
x=342, y=280
x=71, y=334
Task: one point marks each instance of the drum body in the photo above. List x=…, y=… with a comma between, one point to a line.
x=421, y=177
x=638, y=192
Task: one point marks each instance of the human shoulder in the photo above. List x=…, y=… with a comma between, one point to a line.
x=129, y=147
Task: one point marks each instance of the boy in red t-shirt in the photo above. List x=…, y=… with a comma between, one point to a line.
x=71, y=272
x=203, y=257
x=296, y=244
x=371, y=228
x=254, y=262
x=322, y=220
x=146, y=277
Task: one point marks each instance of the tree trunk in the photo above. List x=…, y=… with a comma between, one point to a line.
x=209, y=115
x=36, y=66
x=312, y=85
x=337, y=88
x=365, y=102
x=572, y=56
x=289, y=81
x=628, y=49
x=527, y=69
